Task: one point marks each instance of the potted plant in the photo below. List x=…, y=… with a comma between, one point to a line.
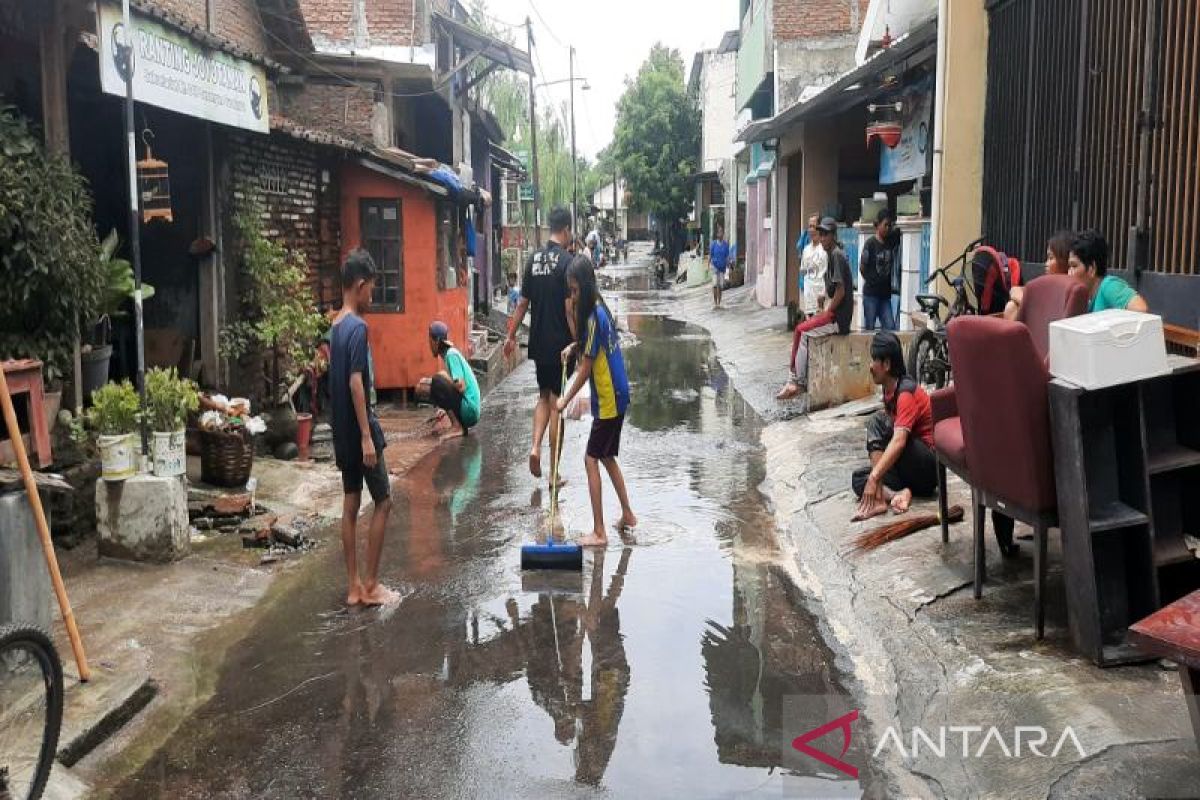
x=279, y=326
x=118, y=288
x=114, y=417
x=169, y=400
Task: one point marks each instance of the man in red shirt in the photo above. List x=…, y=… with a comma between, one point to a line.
x=899, y=438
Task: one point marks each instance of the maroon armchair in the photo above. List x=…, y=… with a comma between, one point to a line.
x=1049, y=299
x=1002, y=391
x=1046, y=299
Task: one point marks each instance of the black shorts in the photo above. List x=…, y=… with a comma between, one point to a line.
x=605, y=439
x=375, y=477
x=446, y=396
x=550, y=376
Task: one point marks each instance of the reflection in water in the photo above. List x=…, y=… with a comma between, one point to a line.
x=490, y=682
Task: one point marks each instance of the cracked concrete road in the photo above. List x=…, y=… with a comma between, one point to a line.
x=922, y=652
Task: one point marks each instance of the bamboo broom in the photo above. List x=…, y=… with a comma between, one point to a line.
x=39, y=516
x=879, y=536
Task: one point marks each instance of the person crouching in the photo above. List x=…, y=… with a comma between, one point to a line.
x=899, y=438
x=454, y=390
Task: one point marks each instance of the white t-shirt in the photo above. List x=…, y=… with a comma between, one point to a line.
x=813, y=263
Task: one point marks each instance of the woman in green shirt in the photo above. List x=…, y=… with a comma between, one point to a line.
x=1089, y=263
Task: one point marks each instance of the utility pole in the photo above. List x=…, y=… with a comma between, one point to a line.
x=537, y=212
x=574, y=159
x=135, y=231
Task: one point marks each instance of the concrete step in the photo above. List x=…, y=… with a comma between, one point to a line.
x=95, y=710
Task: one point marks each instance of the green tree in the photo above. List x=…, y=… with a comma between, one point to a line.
x=658, y=135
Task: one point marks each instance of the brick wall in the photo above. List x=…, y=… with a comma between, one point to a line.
x=390, y=22
x=331, y=23
x=807, y=19
x=294, y=185
x=343, y=110
x=236, y=20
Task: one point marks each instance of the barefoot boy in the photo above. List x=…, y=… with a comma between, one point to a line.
x=899, y=438
x=603, y=365
x=454, y=390
x=357, y=437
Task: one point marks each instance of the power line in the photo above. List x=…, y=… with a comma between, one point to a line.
x=546, y=25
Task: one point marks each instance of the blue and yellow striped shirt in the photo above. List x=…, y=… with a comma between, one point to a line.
x=610, y=385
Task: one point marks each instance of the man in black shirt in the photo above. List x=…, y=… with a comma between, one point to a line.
x=880, y=269
x=544, y=288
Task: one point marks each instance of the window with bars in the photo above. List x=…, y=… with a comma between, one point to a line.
x=717, y=197
x=382, y=237
x=512, y=203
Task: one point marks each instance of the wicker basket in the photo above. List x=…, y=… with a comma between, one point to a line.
x=226, y=458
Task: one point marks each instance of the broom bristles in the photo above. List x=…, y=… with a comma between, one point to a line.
x=890, y=532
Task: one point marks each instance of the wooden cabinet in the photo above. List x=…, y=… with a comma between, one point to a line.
x=1127, y=466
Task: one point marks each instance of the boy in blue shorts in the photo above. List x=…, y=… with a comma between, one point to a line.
x=603, y=365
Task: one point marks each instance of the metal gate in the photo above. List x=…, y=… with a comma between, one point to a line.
x=1078, y=134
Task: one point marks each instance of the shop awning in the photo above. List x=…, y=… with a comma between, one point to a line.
x=507, y=160
x=501, y=54
x=856, y=87
x=709, y=176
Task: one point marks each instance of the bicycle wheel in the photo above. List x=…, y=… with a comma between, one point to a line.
x=31, y=707
x=927, y=363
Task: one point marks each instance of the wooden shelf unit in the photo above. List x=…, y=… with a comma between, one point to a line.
x=1127, y=466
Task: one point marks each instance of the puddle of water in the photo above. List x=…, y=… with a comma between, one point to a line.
x=661, y=670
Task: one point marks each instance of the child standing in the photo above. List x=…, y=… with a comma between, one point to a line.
x=514, y=293
x=357, y=436
x=603, y=365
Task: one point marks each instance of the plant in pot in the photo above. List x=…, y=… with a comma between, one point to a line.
x=114, y=418
x=118, y=289
x=169, y=400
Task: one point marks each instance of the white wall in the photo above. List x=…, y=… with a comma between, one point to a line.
x=717, y=88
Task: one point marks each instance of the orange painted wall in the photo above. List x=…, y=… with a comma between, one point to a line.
x=399, y=341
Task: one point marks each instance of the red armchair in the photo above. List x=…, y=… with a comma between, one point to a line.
x=1002, y=391
x=1046, y=299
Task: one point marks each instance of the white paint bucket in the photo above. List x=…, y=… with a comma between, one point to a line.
x=169, y=454
x=117, y=456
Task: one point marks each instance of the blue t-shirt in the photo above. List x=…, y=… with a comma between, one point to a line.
x=718, y=251
x=350, y=352
x=610, y=385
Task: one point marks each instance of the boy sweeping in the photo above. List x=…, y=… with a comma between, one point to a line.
x=357, y=436
x=602, y=365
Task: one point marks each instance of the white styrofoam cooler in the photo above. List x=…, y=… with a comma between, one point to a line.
x=1108, y=348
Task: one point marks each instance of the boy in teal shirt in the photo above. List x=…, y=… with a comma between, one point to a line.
x=455, y=391
x=1089, y=264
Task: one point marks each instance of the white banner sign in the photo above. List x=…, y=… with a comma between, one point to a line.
x=909, y=159
x=172, y=71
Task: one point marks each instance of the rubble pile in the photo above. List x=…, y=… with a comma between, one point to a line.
x=238, y=514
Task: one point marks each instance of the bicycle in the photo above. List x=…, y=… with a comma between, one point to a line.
x=929, y=354
x=31, y=708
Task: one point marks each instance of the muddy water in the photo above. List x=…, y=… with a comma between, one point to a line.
x=661, y=671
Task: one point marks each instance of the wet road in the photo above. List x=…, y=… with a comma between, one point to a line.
x=661, y=671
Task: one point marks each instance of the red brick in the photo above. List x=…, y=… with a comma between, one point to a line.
x=809, y=19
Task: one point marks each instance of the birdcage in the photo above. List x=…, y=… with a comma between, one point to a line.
x=154, y=186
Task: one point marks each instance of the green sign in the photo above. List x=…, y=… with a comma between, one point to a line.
x=526, y=193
